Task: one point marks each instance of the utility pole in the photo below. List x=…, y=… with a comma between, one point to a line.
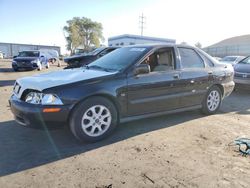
x=141, y=23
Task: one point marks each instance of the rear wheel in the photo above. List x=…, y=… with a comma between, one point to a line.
x=93, y=119
x=212, y=101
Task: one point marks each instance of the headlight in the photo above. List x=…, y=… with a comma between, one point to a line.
x=50, y=99
x=44, y=99
x=14, y=62
x=34, y=61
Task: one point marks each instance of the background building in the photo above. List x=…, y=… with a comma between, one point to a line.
x=12, y=49
x=126, y=39
x=239, y=45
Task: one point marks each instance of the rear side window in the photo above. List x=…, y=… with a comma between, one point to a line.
x=207, y=60
x=190, y=59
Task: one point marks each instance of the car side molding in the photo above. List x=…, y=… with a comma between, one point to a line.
x=133, y=118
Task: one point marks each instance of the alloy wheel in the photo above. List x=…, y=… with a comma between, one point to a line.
x=213, y=100
x=96, y=120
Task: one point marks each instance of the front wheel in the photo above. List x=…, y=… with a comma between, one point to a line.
x=39, y=67
x=212, y=101
x=93, y=119
x=47, y=65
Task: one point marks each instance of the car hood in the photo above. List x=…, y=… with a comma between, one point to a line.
x=58, y=78
x=240, y=67
x=25, y=58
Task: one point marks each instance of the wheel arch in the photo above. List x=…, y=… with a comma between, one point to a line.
x=221, y=89
x=104, y=95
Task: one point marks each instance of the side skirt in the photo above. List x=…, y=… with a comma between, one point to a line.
x=133, y=118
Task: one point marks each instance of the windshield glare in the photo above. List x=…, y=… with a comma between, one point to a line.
x=120, y=59
x=96, y=51
x=245, y=61
x=29, y=54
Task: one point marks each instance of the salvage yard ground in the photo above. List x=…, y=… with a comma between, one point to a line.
x=180, y=150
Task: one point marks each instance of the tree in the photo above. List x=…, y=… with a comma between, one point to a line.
x=198, y=45
x=83, y=32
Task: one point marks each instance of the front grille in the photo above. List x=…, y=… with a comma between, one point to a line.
x=241, y=75
x=24, y=63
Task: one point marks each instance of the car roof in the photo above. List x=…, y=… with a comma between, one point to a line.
x=159, y=45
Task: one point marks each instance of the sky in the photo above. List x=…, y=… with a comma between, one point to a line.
x=191, y=21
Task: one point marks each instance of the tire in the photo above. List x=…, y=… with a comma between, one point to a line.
x=15, y=69
x=53, y=61
x=59, y=63
x=93, y=119
x=212, y=101
x=39, y=67
x=47, y=66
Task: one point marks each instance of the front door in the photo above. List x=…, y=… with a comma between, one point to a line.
x=155, y=91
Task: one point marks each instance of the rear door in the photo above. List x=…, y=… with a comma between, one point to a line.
x=195, y=77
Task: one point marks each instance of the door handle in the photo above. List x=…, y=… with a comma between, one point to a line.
x=176, y=76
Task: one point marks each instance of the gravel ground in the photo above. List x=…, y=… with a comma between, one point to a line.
x=181, y=150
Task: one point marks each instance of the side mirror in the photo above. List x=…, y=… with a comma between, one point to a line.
x=142, y=69
x=14, y=56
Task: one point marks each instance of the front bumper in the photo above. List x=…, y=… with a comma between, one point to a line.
x=31, y=115
x=24, y=66
x=228, y=88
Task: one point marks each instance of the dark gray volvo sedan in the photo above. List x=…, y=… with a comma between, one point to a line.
x=129, y=83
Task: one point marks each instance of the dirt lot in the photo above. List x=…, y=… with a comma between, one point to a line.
x=180, y=150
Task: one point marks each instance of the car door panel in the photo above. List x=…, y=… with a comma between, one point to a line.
x=153, y=92
x=195, y=84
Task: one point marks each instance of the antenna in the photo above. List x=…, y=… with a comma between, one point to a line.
x=142, y=23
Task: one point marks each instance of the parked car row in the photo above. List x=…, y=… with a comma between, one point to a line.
x=129, y=83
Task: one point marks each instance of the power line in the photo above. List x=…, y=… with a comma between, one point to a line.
x=142, y=23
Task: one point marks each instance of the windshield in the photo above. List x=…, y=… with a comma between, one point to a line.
x=29, y=54
x=245, y=61
x=96, y=51
x=119, y=59
x=229, y=58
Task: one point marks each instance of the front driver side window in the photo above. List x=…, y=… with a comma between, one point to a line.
x=161, y=60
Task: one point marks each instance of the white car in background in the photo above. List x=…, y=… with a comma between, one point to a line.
x=1, y=55
x=232, y=59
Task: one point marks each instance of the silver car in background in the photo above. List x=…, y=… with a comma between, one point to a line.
x=232, y=59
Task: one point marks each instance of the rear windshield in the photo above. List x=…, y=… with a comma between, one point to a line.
x=29, y=54
x=120, y=59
